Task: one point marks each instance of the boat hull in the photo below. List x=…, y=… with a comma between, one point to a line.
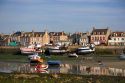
x=53, y=51
x=82, y=51
x=54, y=63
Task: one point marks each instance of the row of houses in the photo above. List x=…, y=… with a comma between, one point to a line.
x=96, y=36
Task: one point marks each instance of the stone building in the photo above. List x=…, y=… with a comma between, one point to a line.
x=100, y=36
x=117, y=39
x=28, y=38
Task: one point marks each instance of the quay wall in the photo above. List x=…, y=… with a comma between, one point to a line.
x=11, y=50
x=114, y=50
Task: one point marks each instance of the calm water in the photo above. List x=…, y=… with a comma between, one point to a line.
x=64, y=68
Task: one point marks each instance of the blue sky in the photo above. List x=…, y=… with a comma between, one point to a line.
x=61, y=15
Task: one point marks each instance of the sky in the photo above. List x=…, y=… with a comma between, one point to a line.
x=61, y=15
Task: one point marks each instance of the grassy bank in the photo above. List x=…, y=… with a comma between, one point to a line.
x=12, y=57
x=58, y=78
x=109, y=51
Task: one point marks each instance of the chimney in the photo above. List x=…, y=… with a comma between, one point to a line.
x=93, y=28
x=33, y=33
x=45, y=31
x=62, y=32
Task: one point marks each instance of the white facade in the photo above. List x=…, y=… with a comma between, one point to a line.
x=117, y=40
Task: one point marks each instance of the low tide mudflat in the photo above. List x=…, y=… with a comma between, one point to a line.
x=89, y=60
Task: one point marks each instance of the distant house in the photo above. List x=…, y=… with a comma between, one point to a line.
x=28, y=38
x=4, y=40
x=58, y=37
x=80, y=38
x=117, y=39
x=15, y=37
x=100, y=36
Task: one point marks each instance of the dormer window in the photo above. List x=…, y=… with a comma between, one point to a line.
x=103, y=33
x=122, y=34
x=116, y=34
x=98, y=33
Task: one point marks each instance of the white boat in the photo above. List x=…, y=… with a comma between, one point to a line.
x=85, y=49
x=27, y=50
x=122, y=56
x=57, y=50
x=30, y=49
x=35, y=58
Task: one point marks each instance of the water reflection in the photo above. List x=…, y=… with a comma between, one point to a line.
x=64, y=68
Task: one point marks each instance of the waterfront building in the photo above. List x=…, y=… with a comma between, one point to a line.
x=80, y=38
x=117, y=39
x=29, y=38
x=4, y=39
x=15, y=37
x=58, y=37
x=100, y=36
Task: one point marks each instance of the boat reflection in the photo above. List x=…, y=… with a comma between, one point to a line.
x=64, y=68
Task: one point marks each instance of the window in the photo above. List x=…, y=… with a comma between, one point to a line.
x=114, y=39
x=102, y=33
x=118, y=39
x=103, y=38
x=100, y=38
x=98, y=33
x=92, y=38
x=95, y=38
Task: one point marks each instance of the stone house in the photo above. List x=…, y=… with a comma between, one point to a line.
x=58, y=37
x=80, y=38
x=16, y=37
x=4, y=40
x=100, y=36
x=29, y=38
x=117, y=39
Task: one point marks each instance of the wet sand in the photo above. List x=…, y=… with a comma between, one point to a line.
x=113, y=64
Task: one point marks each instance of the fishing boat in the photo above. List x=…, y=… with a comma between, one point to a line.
x=122, y=56
x=30, y=49
x=85, y=49
x=35, y=58
x=56, y=50
x=54, y=63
